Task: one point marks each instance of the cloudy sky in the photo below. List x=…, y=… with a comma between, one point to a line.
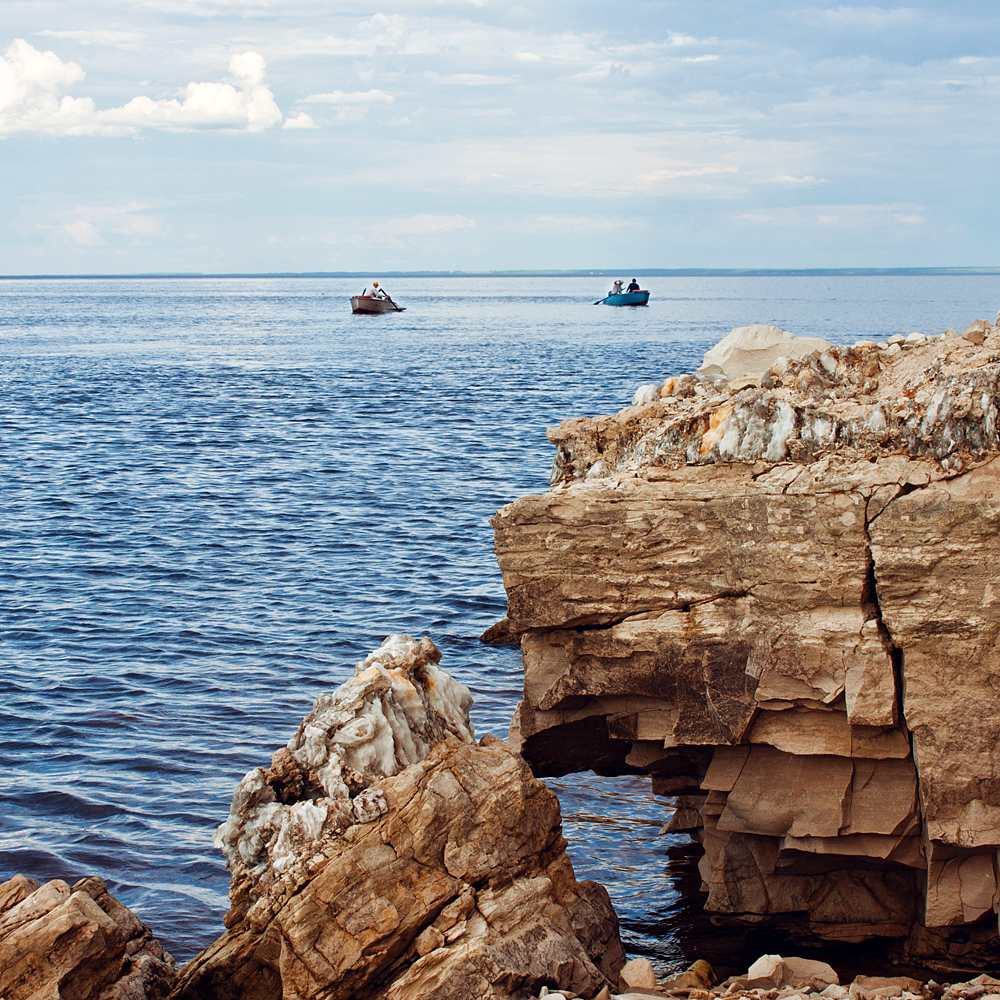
x=301, y=135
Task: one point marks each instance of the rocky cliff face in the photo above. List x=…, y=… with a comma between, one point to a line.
x=776, y=595
x=385, y=853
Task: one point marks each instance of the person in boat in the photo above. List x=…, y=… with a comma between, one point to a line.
x=376, y=292
x=616, y=288
x=633, y=286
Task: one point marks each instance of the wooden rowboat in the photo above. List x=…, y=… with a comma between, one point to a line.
x=640, y=298
x=370, y=304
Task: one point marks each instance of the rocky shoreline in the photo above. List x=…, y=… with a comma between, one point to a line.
x=769, y=587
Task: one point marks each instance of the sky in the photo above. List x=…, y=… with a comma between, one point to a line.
x=312, y=135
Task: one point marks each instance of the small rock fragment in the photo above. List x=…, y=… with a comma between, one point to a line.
x=976, y=331
x=638, y=972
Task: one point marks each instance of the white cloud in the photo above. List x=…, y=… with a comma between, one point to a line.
x=127, y=40
x=387, y=30
x=349, y=106
x=595, y=165
x=301, y=120
x=208, y=8
x=353, y=97
x=410, y=231
x=32, y=100
x=421, y=225
x=657, y=177
x=790, y=181
x=471, y=79
x=877, y=216
x=90, y=224
x=570, y=224
x=870, y=18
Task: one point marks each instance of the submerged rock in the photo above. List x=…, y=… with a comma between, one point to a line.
x=76, y=942
x=384, y=853
x=779, y=601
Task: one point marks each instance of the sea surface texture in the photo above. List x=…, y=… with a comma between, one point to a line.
x=218, y=494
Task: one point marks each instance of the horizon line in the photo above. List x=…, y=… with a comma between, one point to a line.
x=681, y=272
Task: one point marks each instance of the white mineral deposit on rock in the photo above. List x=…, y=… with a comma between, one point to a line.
x=384, y=853
x=751, y=350
x=776, y=596
x=396, y=707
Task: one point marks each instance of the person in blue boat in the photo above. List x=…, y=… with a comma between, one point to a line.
x=633, y=286
x=616, y=288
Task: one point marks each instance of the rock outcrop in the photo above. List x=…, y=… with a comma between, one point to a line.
x=385, y=853
x=779, y=596
x=76, y=942
x=751, y=350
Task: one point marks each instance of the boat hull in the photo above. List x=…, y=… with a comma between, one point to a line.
x=366, y=304
x=640, y=298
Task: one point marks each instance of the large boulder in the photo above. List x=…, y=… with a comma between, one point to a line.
x=385, y=853
x=751, y=350
x=76, y=942
x=777, y=597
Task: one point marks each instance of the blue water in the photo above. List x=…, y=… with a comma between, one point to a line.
x=219, y=494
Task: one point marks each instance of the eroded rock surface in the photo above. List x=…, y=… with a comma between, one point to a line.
x=76, y=942
x=385, y=853
x=778, y=597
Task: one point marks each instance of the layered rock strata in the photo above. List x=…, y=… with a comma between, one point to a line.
x=778, y=595
x=385, y=853
x=76, y=942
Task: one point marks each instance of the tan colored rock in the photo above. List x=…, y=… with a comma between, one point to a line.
x=961, y=890
x=801, y=731
x=61, y=941
x=883, y=798
x=778, y=794
x=638, y=972
x=456, y=885
x=783, y=589
x=687, y=814
x=698, y=975
x=751, y=350
x=977, y=331
x=773, y=972
x=883, y=987
x=799, y=854
x=936, y=551
x=848, y=904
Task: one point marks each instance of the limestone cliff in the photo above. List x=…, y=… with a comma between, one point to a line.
x=778, y=595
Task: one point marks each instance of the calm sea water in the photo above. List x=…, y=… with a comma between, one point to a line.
x=219, y=494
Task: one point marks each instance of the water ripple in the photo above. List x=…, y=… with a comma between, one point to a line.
x=219, y=494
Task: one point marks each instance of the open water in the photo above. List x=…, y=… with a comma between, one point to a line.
x=218, y=494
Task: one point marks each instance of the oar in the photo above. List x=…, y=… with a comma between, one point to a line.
x=393, y=304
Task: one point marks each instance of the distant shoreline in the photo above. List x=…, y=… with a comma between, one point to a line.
x=684, y=272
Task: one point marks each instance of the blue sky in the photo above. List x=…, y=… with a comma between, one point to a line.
x=301, y=135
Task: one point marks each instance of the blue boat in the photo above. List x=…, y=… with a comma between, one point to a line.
x=639, y=298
